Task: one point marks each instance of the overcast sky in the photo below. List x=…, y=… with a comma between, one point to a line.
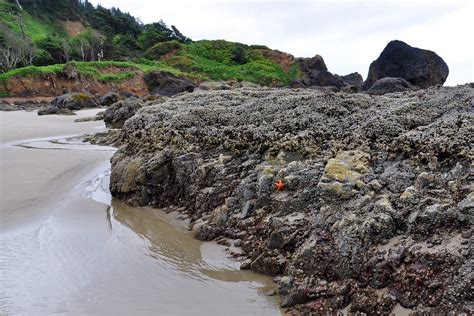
x=348, y=34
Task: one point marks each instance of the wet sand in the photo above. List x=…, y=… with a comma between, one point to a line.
x=64, y=249
x=30, y=180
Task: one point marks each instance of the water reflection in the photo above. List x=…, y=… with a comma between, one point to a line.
x=171, y=243
x=90, y=255
x=170, y=246
x=78, y=261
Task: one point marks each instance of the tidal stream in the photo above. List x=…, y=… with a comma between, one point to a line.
x=67, y=247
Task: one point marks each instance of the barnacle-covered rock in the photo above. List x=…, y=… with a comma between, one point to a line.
x=377, y=189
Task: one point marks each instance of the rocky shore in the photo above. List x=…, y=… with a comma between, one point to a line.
x=353, y=195
x=374, y=202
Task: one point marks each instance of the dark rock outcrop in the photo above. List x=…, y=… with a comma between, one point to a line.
x=167, y=84
x=297, y=83
x=353, y=79
x=109, y=99
x=377, y=206
x=314, y=64
x=75, y=101
x=420, y=67
x=315, y=73
x=325, y=79
x=389, y=85
x=8, y=107
x=50, y=110
x=116, y=114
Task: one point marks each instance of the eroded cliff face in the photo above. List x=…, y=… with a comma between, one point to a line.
x=377, y=204
x=57, y=84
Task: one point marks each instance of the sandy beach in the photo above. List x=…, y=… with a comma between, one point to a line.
x=31, y=181
x=64, y=249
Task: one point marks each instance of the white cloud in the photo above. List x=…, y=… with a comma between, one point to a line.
x=348, y=34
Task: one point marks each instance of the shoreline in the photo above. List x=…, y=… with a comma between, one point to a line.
x=30, y=182
x=63, y=250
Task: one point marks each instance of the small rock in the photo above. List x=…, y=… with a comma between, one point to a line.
x=48, y=110
x=167, y=84
x=116, y=114
x=375, y=185
x=390, y=85
x=109, y=99
x=245, y=265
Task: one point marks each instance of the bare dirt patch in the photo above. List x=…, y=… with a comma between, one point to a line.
x=53, y=85
x=281, y=58
x=73, y=28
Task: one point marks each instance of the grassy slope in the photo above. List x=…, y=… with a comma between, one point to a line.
x=212, y=60
x=199, y=61
x=36, y=28
x=97, y=69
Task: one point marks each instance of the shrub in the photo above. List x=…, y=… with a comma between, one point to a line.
x=43, y=58
x=259, y=47
x=239, y=55
x=49, y=50
x=81, y=97
x=159, y=50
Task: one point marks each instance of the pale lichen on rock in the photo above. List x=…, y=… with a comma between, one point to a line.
x=367, y=180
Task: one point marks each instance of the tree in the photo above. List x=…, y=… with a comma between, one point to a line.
x=179, y=36
x=52, y=46
x=88, y=45
x=14, y=50
x=20, y=19
x=66, y=50
x=155, y=33
x=113, y=34
x=125, y=47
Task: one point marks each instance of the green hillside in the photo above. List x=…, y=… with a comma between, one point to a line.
x=49, y=34
x=35, y=27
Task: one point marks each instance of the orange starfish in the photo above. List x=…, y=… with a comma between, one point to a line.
x=280, y=185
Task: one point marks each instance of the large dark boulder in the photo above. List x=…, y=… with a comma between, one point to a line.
x=389, y=85
x=353, y=79
x=420, y=67
x=167, y=84
x=116, y=114
x=316, y=63
x=75, y=101
x=315, y=73
x=325, y=79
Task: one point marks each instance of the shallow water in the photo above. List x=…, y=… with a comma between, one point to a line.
x=86, y=254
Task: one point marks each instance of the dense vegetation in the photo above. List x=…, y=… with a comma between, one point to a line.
x=35, y=38
x=106, y=33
